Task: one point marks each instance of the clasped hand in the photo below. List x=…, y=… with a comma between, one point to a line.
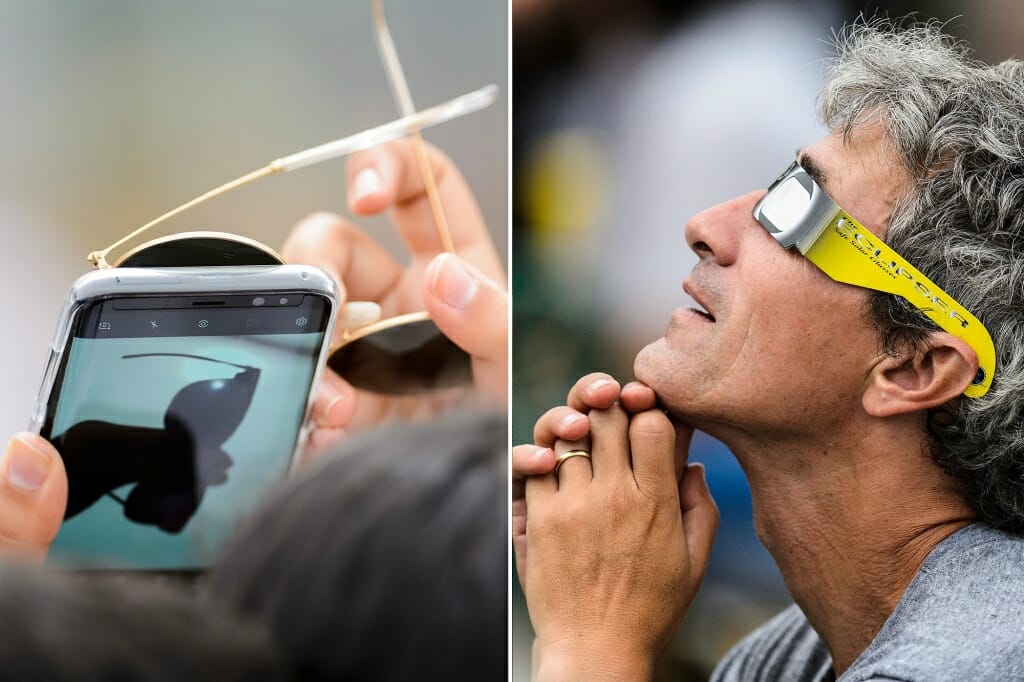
x=612, y=550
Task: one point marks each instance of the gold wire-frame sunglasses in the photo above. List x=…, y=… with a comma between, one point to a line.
x=397, y=355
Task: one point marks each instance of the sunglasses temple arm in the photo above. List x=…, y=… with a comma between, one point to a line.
x=465, y=104
x=403, y=98
x=99, y=258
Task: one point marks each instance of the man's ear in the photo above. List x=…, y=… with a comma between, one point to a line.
x=933, y=375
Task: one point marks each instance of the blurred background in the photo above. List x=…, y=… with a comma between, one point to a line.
x=628, y=119
x=115, y=111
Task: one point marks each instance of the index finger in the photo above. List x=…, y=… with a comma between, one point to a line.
x=398, y=185
x=596, y=390
x=362, y=268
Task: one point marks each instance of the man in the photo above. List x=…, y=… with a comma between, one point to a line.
x=881, y=434
x=464, y=294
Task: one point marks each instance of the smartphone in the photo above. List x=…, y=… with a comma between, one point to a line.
x=176, y=397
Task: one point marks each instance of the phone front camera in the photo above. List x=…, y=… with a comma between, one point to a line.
x=259, y=300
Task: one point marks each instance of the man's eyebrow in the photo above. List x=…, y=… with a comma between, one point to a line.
x=816, y=172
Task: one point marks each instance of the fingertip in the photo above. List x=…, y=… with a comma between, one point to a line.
x=636, y=396
x=367, y=193
x=320, y=441
x=533, y=460
x=594, y=391
x=38, y=443
x=356, y=314
x=604, y=390
x=543, y=460
x=573, y=425
x=339, y=411
x=28, y=462
x=695, y=486
x=450, y=280
x=639, y=389
x=335, y=402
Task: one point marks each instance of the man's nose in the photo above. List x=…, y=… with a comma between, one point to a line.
x=717, y=233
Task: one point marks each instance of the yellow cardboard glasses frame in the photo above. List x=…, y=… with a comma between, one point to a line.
x=798, y=213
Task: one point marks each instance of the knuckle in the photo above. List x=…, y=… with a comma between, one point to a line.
x=616, y=502
x=318, y=224
x=650, y=423
x=613, y=417
x=574, y=513
x=310, y=233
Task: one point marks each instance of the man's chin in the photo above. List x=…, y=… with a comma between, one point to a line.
x=657, y=367
x=645, y=364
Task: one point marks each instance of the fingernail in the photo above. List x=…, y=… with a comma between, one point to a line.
x=540, y=453
x=367, y=182
x=330, y=394
x=703, y=470
x=452, y=283
x=355, y=314
x=27, y=467
x=336, y=400
x=600, y=383
x=572, y=419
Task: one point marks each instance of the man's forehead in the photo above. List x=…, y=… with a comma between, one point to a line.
x=859, y=172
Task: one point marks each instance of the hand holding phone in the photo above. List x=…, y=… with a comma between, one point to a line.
x=176, y=397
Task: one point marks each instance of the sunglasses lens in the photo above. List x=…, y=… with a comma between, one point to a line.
x=786, y=204
x=198, y=252
x=407, y=358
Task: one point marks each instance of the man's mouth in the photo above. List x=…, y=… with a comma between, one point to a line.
x=700, y=307
x=703, y=313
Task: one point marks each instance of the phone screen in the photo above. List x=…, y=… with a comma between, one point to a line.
x=173, y=415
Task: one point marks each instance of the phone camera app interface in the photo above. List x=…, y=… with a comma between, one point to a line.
x=174, y=415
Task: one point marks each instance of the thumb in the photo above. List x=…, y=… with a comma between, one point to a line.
x=33, y=496
x=472, y=311
x=700, y=516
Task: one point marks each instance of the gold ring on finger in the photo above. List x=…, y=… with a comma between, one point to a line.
x=569, y=455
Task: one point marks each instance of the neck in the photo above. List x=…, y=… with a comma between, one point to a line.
x=850, y=526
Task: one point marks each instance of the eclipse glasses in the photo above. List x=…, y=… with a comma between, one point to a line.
x=798, y=213
x=402, y=354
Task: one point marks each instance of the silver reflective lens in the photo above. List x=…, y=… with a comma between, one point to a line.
x=786, y=205
x=795, y=210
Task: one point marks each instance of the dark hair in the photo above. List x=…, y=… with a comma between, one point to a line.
x=62, y=627
x=387, y=560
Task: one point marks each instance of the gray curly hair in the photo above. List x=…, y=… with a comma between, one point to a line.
x=957, y=125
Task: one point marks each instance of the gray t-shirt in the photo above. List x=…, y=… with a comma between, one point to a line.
x=961, y=618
